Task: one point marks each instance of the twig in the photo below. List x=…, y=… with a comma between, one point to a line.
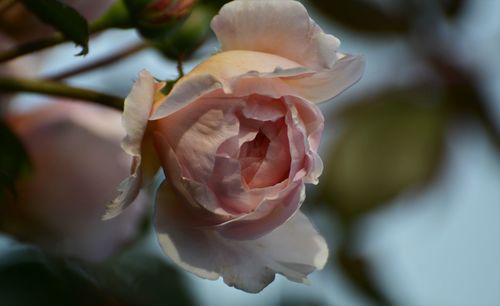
x=58, y=89
x=105, y=61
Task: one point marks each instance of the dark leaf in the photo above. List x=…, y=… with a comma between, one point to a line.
x=63, y=18
x=14, y=160
x=452, y=8
x=28, y=277
x=391, y=143
x=364, y=16
x=360, y=273
x=143, y=277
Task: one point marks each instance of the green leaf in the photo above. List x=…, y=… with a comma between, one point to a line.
x=452, y=8
x=14, y=160
x=359, y=271
x=29, y=277
x=391, y=143
x=142, y=276
x=64, y=19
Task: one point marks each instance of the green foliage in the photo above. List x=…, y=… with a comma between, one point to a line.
x=360, y=272
x=396, y=17
x=142, y=276
x=14, y=160
x=391, y=143
x=363, y=16
x=452, y=8
x=28, y=277
x=63, y=18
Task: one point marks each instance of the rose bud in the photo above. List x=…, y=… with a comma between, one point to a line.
x=77, y=162
x=237, y=139
x=156, y=19
x=191, y=35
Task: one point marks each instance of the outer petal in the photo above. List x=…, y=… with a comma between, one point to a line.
x=242, y=73
x=294, y=249
x=275, y=26
x=326, y=84
x=221, y=71
x=137, y=108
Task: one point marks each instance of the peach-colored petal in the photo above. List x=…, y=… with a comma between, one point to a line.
x=327, y=84
x=294, y=249
x=137, y=108
x=276, y=27
x=220, y=71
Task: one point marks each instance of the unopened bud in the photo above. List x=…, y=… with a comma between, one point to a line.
x=190, y=36
x=157, y=18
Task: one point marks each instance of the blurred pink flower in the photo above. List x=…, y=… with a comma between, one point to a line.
x=237, y=139
x=77, y=162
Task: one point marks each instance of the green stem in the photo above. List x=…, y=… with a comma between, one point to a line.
x=58, y=89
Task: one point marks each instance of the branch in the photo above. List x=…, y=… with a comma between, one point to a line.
x=57, y=89
x=108, y=60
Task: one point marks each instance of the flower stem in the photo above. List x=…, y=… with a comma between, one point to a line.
x=58, y=89
x=108, y=60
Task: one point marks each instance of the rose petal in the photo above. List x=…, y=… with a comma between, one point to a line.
x=219, y=71
x=277, y=27
x=327, y=84
x=198, y=195
x=267, y=217
x=196, y=133
x=137, y=108
x=294, y=249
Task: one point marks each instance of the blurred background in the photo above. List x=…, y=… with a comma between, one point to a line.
x=409, y=199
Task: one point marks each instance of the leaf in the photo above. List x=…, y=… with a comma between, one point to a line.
x=364, y=16
x=453, y=8
x=64, y=19
x=29, y=277
x=391, y=143
x=360, y=273
x=142, y=276
x=14, y=160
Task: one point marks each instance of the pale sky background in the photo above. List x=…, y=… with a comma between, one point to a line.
x=444, y=248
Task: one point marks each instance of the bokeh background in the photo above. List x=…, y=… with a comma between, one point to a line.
x=410, y=198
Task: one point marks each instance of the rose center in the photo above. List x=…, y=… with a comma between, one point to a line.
x=252, y=155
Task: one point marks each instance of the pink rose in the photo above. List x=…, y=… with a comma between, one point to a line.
x=77, y=162
x=237, y=139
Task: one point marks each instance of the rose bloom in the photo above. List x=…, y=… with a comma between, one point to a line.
x=237, y=139
x=76, y=163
